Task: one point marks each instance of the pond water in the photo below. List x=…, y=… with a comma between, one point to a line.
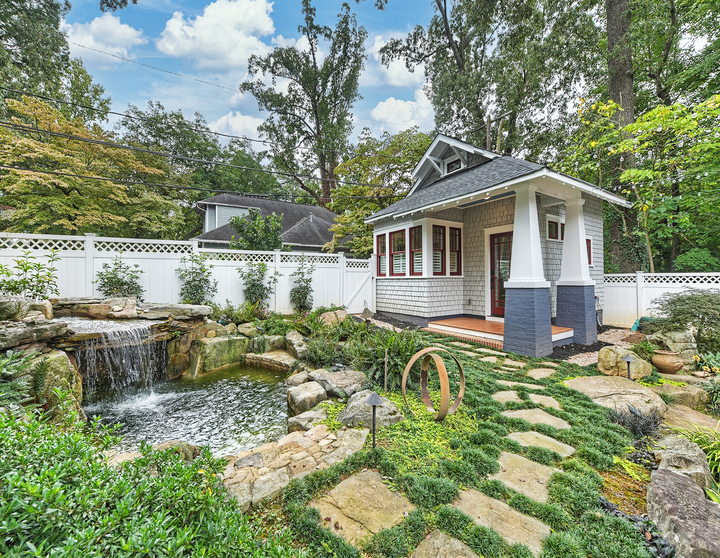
x=230, y=410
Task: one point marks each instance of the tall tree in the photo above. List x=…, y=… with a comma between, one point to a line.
x=310, y=121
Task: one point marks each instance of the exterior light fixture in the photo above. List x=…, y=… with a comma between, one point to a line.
x=376, y=401
x=629, y=360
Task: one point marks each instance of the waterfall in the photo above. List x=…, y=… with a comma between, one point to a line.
x=122, y=361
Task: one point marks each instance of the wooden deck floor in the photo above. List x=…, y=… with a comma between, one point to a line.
x=484, y=326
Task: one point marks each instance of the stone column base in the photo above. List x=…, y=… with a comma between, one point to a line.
x=576, y=309
x=528, y=330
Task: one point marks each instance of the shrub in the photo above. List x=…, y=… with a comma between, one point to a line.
x=713, y=403
x=301, y=295
x=697, y=259
x=242, y=314
x=257, y=290
x=120, y=279
x=255, y=232
x=321, y=352
x=198, y=286
x=275, y=324
x=645, y=350
x=59, y=497
x=29, y=278
x=699, y=308
x=639, y=424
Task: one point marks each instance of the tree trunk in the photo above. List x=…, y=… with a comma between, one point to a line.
x=620, y=64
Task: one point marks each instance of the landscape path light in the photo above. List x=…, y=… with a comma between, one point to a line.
x=376, y=401
x=629, y=359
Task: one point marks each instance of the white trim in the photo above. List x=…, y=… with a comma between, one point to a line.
x=529, y=284
x=488, y=233
x=563, y=335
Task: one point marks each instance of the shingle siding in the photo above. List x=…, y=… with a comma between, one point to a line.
x=426, y=298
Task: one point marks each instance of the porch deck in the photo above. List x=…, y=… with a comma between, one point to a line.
x=484, y=331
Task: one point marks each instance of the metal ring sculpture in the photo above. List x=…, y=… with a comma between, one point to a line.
x=429, y=355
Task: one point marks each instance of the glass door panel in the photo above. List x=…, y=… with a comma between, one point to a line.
x=500, y=252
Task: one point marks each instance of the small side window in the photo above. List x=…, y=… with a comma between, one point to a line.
x=553, y=231
x=453, y=166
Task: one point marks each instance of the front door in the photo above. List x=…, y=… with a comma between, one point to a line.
x=500, y=251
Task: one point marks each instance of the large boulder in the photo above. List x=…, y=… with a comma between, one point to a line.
x=690, y=396
x=330, y=318
x=129, y=311
x=248, y=330
x=13, y=307
x=342, y=384
x=178, y=311
x=683, y=515
x=20, y=333
x=610, y=363
x=93, y=311
x=187, y=451
x=210, y=354
x=307, y=420
x=614, y=392
x=54, y=370
x=682, y=456
x=304, y=397
x=45, y=307
x=295, y=344
x=358, y=413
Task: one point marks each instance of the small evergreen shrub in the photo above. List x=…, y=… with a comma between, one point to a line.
x=119, y=279
x=258, y=288
x=198, y=286
x=301, y=294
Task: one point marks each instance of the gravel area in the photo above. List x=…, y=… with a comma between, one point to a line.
x=611, y=336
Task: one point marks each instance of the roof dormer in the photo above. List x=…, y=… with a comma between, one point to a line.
x=447, y=155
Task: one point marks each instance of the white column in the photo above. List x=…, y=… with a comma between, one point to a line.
x=427, y=249
x=342, y=277
x=575, y=271
x=526, y=268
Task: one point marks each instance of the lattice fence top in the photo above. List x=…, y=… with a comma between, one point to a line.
x=682, y=279
x=318, y=259
x=239, y=257
x=70, y=244
x=621, y=279
x=357, y=264
x=135, y=247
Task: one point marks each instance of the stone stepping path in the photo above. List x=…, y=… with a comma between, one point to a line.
x=490, y=351
x=492, y=359
x=515, y=363
x=466, y=353
x=537, y=416
x=527, y=439
x=552, y=364
x=540, y=373
x=506, y=397
x=460, y=344
x=360, y=506
x=524, y=476
x=518, y=384
x=437, y=544
x=506, y=369
x=544, y=400
x=512, y=525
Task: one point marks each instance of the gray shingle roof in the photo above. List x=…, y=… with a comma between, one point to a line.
x=468, y=181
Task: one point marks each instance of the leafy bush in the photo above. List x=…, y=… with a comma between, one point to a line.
x=321, y=352
x=699, y=308
x=713, y=403
x=29, y=278
x=243, y=314
x=639, y=424
x=119, y=279
x=58, y=497
x=256, y=290
x=275, y=324
x=301, y=295
x=256, y=232
x=645, y=350
x=697, y=259
x=198, y=286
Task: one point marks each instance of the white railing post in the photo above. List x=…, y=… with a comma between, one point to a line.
x=373, y=280
x=89, y=264
x=640, y=294
x=276, y=263
x=195, y=246
x=342, y=276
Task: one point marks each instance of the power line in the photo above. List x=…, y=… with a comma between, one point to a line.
x=200, y=130
x=29, y=129
x=177, y=187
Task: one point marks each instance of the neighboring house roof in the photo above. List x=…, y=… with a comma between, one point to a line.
x=302, y=225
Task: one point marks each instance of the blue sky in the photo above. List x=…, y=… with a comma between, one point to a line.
x=212, y=41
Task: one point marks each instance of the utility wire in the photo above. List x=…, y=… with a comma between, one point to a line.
x=200, y=130
x=29, y=129
x=177, y=187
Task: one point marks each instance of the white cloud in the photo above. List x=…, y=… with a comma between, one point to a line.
x=395, y=115
x=223, y=37
x=104, y=33
x=396, y=74
x=237, y=124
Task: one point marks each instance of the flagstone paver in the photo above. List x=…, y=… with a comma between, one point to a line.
x=544, y=400
x=540, y=440
x=507, y=369
x=539, y=373
x=518, y=384
x=437, y=544
x=537, y=416
x=361, y=505
x=514, y=526
x=516, y=363
x=490, y=351
x=527, y=477
x=492, y=359
x=460, y=344
x=506, y=396
x=553, y=364
x=467, y=353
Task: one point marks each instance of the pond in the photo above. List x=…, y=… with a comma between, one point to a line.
x=230, y=410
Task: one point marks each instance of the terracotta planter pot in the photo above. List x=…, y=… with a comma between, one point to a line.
x=667, y=362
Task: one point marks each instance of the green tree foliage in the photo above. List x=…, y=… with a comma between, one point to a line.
x=255, y=232
x=309, y=124
x=57, y=204
x=386, y=162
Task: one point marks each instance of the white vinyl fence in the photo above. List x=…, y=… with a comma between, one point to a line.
x=336, y=280
x=629, y=296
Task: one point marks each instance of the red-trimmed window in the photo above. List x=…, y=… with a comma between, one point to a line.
x=398, y=256
x=438, y=250
x=381, y=255
x=562, y=231
x=416, y=254
x=588, y=244
x=553, y=230
x=455, y=256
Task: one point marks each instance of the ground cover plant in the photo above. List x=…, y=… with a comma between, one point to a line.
x=431, y=462
x=59, y=498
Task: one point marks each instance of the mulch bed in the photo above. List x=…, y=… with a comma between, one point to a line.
x=566, y=351
x=393, y=322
